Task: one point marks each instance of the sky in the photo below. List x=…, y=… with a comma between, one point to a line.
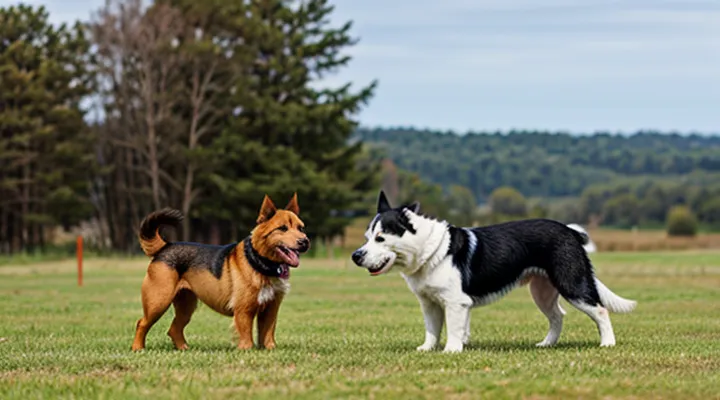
x=578, y=66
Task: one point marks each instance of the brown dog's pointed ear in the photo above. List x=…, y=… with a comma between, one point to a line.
x=267, y=210
x=293, y=205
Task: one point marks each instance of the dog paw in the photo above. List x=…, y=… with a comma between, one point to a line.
x=452, y=349
x=245, y=346
x=545, y=343
x=607, y=344
x=425, y=347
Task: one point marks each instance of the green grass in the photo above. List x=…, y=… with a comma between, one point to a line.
x=343, y=334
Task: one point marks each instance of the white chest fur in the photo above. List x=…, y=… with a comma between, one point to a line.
x=270, y=291
x=441, y=283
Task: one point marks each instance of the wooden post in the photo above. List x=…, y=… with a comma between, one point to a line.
x=79, y=252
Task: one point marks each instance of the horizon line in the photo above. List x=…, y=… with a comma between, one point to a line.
x=515, y=131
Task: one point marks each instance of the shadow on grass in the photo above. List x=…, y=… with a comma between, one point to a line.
x=400, y=347
x=226, y=347
x=508, y=346
x=194, y=347
x=496, y=346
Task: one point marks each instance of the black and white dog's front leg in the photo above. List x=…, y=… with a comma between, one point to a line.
x=457, y=316
x=433, y=315
x=466, y=337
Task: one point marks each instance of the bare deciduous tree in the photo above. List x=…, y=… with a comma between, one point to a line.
x=164, y=79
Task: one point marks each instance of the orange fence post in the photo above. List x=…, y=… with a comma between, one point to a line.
x=79, y=252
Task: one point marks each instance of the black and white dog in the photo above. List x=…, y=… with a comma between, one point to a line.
x=452, y=269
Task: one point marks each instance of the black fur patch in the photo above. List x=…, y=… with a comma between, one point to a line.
x=504, y=251
x=185, y=255
x=216, y=266
x=458, y=244
x=151, y=223
x=582, y=237
x=394, y=222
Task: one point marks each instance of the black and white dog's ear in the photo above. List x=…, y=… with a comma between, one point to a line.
x=383, y=203
x=414, y=207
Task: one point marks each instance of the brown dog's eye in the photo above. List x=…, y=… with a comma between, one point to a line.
x=283, y=228
x=301, y=228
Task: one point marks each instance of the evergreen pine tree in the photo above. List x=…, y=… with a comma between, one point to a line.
x=287, y=133
x=45, y=147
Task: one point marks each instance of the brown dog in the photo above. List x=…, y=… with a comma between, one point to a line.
x=242, y=280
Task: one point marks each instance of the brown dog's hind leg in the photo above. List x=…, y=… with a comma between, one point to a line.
x=185, y=303
x=158, y=291
x=267, y=320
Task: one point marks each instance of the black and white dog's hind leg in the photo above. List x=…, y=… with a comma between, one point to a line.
x=585, y=292
x=610, y=302
x=600, y=315
x=571, y=276
x=547, y=298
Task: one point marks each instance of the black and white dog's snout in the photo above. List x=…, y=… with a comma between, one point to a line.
x=358, y=256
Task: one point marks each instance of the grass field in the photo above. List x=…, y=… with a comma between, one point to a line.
x=343, y=334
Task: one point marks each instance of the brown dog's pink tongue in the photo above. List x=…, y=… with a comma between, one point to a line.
x=293, y=258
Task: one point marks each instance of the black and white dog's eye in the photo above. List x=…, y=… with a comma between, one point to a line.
x=379, y=239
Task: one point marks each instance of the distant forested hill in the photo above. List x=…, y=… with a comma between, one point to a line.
x=542, y=163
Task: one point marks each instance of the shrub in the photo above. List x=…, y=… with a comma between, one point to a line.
x=508, y=201
x=681, y=222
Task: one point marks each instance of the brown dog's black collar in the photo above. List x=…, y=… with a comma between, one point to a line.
x=262, y=264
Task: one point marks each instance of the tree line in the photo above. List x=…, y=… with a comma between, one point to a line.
x=457, y=204
x=542, y=164
x=201, y=106
x=644, y=203
x=628, y=202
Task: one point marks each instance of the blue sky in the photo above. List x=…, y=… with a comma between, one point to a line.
x=580, y=65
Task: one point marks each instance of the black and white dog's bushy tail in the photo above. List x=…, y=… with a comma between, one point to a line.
x=610, y=300
x=613, y=302
x=585, y=240
x=584, y=236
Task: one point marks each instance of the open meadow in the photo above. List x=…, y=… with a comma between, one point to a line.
x=344, y=334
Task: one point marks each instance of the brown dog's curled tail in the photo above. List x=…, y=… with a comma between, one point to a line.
x=150, y=239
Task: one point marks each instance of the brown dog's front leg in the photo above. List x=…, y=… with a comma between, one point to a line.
x=267, y=320
x=244, y=324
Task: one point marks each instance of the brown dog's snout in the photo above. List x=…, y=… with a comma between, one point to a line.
x=303, y=244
